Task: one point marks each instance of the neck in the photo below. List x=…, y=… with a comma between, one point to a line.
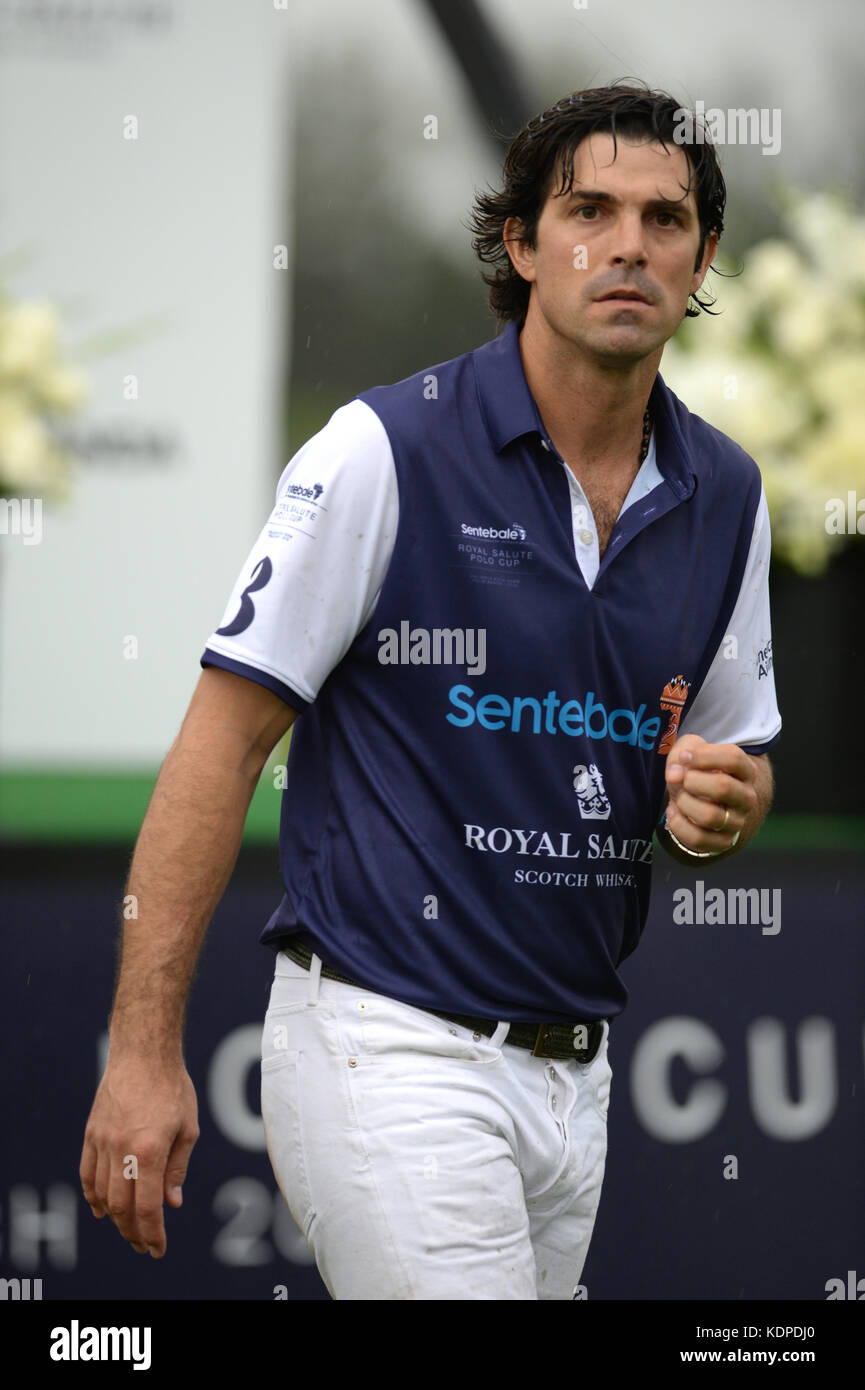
x=592, y=413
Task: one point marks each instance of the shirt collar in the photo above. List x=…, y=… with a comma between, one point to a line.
x=509, y=409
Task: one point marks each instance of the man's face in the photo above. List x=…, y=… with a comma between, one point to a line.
x=624, y=226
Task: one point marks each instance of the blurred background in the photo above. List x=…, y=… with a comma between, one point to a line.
x=220, y=222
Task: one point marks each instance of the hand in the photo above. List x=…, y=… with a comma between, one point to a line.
x=142, y=1128
x=712, y=792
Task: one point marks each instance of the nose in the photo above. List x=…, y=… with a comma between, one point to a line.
x=628, y=245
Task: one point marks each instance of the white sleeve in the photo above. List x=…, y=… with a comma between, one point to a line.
x=736, y=702
x=314, y=575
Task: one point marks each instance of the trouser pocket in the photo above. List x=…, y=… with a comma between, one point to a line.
x=282, y=1107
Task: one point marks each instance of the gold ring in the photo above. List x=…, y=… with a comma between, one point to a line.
x=723, y=825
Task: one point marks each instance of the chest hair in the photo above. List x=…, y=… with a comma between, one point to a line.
x=606, y=503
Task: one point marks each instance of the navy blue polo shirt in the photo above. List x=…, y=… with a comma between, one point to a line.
x=477, y=766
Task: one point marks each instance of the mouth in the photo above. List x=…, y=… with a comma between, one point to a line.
x=623, y=297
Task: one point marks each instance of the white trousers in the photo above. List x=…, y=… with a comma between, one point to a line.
x=422, y=1161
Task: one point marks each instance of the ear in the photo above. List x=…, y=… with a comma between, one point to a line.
x=521, y=254
x=708, y=256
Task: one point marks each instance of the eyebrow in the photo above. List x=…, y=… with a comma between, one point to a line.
x=596, y=195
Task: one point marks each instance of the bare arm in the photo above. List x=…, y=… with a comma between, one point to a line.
x=186, y=851
x=717, y=792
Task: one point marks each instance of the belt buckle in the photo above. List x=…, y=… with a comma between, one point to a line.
x=540, y=1040
x=583, y=1051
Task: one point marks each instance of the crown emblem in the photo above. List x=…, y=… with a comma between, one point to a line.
x=675, y=693
x=673, y=697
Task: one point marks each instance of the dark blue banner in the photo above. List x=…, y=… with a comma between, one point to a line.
x=735, y=1167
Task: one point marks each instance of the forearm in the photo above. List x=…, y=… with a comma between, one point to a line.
x=184, y=857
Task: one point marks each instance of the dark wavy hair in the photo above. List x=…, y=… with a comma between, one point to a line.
x=545, y=148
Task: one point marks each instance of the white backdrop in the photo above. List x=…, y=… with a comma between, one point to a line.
x=174, y=231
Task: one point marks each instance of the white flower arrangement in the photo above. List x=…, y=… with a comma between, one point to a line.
x=36, y=385
x=781, y=370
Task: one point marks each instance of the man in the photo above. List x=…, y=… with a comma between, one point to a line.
x=495, y=598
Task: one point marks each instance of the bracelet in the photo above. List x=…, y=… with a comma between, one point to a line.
x=698, y=853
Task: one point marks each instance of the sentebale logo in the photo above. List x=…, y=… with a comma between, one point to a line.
x=514, y=532
x=298, y=490
x=548, y=714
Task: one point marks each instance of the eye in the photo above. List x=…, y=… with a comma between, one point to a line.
x=587, y=207
x=672, y=216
